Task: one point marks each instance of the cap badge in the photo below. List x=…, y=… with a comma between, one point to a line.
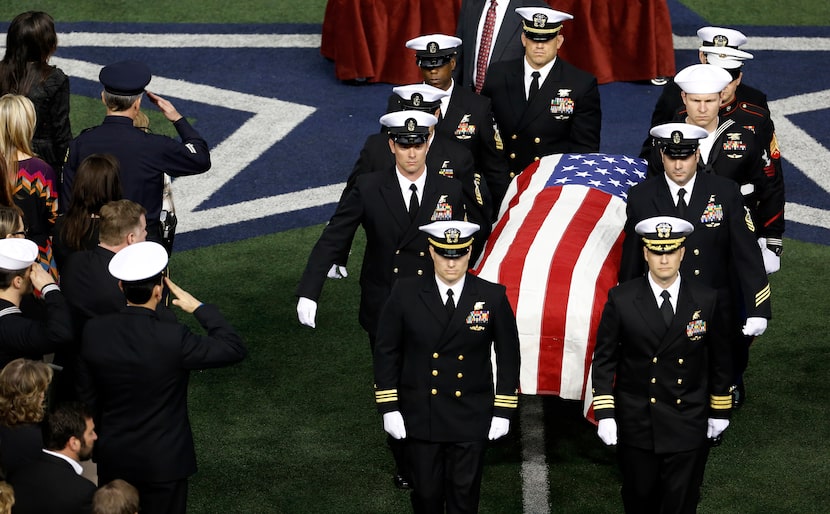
x=452, y=235
x=432, y=47
x=676, y=136
x=417, y=98
x=540, y=20
x=663, y=230
x=411, y=124
x=720, y=40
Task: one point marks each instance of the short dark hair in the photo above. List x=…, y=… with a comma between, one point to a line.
x=6, y=276
x=116, y=497
x=66, y=421
x=139, y=292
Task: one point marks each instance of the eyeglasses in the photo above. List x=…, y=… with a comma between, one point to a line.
x=20, y=233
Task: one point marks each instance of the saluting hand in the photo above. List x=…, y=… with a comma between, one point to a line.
x=184, y=300
x=165, y=107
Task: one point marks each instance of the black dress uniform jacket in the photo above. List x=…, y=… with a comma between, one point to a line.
x=144, y=159
x=507, y=42
x=721, y=253
x=563, y=117
x=737, y=155
x=437, y=371
x=136, y=367
x=394, y=246
x=659, y=384
x=32, y=339
x=49, y=485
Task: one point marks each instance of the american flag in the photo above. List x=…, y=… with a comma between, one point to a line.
x=556, y=247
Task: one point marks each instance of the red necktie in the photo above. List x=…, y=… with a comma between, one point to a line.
x=484, y=46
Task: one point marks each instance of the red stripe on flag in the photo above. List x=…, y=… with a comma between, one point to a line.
x=560, y=279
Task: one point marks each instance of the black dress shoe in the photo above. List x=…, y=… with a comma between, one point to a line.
x=401, y=482
x=738, y=396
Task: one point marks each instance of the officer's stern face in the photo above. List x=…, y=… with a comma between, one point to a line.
x=449, y=271
x=539, y=53
x=680, y=170
x=663, y=267
x=410, y=159
x=440, y=77
x=702, y=110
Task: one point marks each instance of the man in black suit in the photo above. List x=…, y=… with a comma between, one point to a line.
x=661, y=375
x=434, y=383
x=465, y=116
x=53, y=484
x=504, y=45
x=134, y=373
x=722, y=251
x=88, y=286
x=542, y=104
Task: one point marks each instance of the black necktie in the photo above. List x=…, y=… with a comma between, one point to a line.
x=534, y=85
x=665, y=308
x=413, y=201
x=450, y=305
x=681, y=203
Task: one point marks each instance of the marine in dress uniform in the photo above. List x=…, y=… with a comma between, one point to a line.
x=394, y=246
x=722, y=252
x=465, y=116
x=434, y=382
x=134, y=374
x=563, y=115
x=661, y=375
x=143, y=157
x=711, y=37
x=19, y=275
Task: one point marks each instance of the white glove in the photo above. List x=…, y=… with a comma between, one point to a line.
x=498, y=428
x=307, y=311
x=393, y=424
x=772, y=262
x=755, y=326
x=607, y=431
x=337, y=272
x=716, y=427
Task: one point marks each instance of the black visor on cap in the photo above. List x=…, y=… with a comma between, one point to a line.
x=432, y=61
x=679, y=150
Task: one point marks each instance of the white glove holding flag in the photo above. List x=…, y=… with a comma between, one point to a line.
x=393, y=424
x=607, y=431
x=716, y=427
x=307, y=311
x=337, y=272
x=772, y=262
x=498, y=428
x=755, y=326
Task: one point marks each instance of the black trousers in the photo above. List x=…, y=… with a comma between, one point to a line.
x=666, y=483
x=158, y=497
x=446, y=477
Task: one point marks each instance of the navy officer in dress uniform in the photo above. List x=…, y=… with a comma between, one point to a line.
x=434, y=381
x=465, y=116
x=390, y=204
x=21, y=336
x=144, y=158
x=134, y=373
x=661, y=375
x=542, y=104
x=722, y=252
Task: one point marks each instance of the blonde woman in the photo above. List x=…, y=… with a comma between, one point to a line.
x=6, y=498
x=33, y=182
x=23, y=386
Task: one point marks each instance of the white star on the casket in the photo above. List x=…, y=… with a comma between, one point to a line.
x=569, y=168
x=583, y=174
x=624, y=195
x=576, y=156
x=630, y=183
x=589, y=163
x=596, y=183
x=615, y=183
x=629, y=160
x=641, y=174
x=602, y=171
x=610, y=159
x=621, y=171
x=563, y=180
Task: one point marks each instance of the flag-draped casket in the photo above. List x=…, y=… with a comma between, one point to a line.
x=556, y=247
